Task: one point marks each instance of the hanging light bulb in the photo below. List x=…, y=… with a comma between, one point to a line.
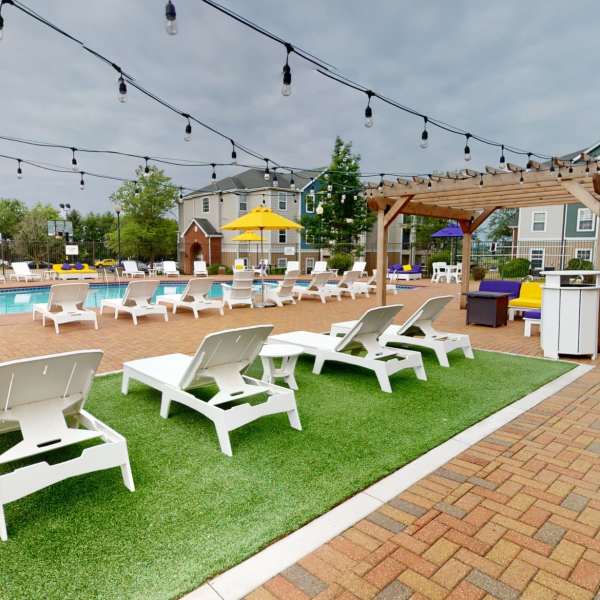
x=570, y=167
x=146, y=168
x=480, y=179
x=214, y=173
x=502, y=159
x=521, y=180
x=180, y=193
x=82, y=182
x=286, y=88
x=136, y=190
x=267, y=174
x=369, y=110
x=275, y=180
x=326, y=175
x=343, y=198
x=221, y=198
x=529, y=162
x=467, y=149
x=429, y=184
x=380, y=186
x=319, y=209
x=552, y=169
x=74, y=165
x=171, y=16
x=233, y=152
x=1, y=28
x=292, y=182
x=355, y=197
x=329, y=187
x=188, y=130
x=122, y=89
x=329, y=195
x=424, y=135
x=19, y=170
x=559, y=175
x=587, y=167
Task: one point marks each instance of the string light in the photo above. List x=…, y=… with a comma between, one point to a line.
x=559, y=176
x=74, y=165
x=275, y=180
x=181, y=193
x=587, y=167
x=292, y=182
x=233, y=152
x=343, y=198
x=380, y=186
x=19, y=169
x=146, y=168
x=502, y=158
x=521, y=180
x=82, y=182
x=429, y=186
x=286, y=88
x=2, y=21
x=136, y=189
x=171, y=18
x=329, y=195
x=552, y=169
x=319, y=209
x=570, y=167
x=529, y=162
x=480, y=179
x=424, y=135
x=369, y=110
x=122, y=90
x=188, y=129
x=267, y=174
x=214, y=173
x=467, y=149
x=329, y=187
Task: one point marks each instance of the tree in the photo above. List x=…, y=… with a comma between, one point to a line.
x=12, y=212
x=32, y=240
x=145, y=230
x=95, y=227
x=345, y=214
x=499, y=224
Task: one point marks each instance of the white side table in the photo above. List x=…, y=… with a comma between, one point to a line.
x=288, y=354
x=152, y=272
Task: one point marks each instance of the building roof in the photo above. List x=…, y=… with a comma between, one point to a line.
x=205, y=226
x=253, y=179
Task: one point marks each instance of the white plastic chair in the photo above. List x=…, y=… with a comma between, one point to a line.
x=200, y=269
x=360, y=266
x=221, y=360
x=239, y=264
x=130, y=269
x=440, y=271
x=262, y=267
x=292, y=265
x=284, y=291
x=169, y=267
x=65, y=305
x=371, y=285
x=317, y=288
x=193, y=297
x=347, y=285
x=37, y=396
x=240, y=292
x=455, y=273
x=136, y=301
x=21, y=271
x=364, y=335
x=320, y=267
x=418, y=330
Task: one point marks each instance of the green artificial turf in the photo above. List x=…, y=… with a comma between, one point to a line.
x=196, y=512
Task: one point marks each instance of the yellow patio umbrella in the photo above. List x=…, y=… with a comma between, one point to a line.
x=249, y=236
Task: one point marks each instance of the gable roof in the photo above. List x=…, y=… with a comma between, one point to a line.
x=205, y=226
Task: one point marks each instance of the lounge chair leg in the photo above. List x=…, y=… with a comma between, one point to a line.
x=468, y=351
x=95, y=321
x=224, y=442
x=383, y=378
x=165, y=405
x=442, y=357
x=3, y=532
x=56, y=330
x=420, y=371
x=134, y=317
x=166, y=315
x=318, y=366
x=127, y=476
x=125, y=384
x=294, y=419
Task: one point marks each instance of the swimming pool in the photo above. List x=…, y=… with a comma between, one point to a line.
x=21, y=300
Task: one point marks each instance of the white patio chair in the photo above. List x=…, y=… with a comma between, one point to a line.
x=262, y=267
x=22, y=272
x=136, y=301
x=239, y=264
x=169, y=267
x=347, y=285
x=240, y=292
x=440, y=271
x=65, y=305
x=364, y=335
x=320, y=267
x=284, y=291
x=292, y=265
x=371, y=285
x=220, y=360
x=130, y=269
x=418, y=330
x=200, y=269
x=194, y=297
x=37, y=396
x=317, y=288
x=360, y=266
x=455, y=273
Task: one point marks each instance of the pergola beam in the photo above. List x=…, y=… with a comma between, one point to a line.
x=395, y=210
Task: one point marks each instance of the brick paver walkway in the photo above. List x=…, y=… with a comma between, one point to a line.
x=515, y=516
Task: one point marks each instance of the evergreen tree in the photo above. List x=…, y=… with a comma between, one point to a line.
x=342, y=211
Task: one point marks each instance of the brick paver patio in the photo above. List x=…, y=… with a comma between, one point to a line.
x=515, y=516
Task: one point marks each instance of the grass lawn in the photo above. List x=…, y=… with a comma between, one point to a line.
x=196, y=512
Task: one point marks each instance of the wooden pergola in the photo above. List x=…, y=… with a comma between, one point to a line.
x=470, y=198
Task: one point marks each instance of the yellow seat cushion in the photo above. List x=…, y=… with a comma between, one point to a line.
x=530, y=295
x=407, y=267
x=86, y=269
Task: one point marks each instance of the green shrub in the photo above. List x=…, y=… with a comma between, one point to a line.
x=578, y=264
x=214, y=269
x=478, y=272
x=277, y=271
x=515, y=269
x=341, y=262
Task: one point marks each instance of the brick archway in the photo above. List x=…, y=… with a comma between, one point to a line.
x=200, y=238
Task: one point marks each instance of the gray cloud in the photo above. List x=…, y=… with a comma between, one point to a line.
x=519, y=72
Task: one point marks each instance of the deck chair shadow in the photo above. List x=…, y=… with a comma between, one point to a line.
x=363, y=336
x=418, y=330
x=38, y=396
x=221, y=360
x=194, y=297
x=137, y=301
x=65, y=305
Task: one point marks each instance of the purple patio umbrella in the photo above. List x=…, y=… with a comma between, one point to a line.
x=450, y=231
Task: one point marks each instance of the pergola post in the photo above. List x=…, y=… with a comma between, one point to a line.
x=381, y=256
x=466, y=261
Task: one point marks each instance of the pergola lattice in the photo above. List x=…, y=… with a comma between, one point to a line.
x=461, y=196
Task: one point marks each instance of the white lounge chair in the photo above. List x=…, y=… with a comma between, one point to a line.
x=347, y=285
x=360, y=266
x=65, y=305
x=292, y=265
x=239, y=264
x=240, y=292
x=136, y=301
x=200, y=269
x=365, y=335
x=317, y=288
x=418, y=331
x=22, y=272
x=37, y=396
x=169, y=267
x=440, y=271
x=194, y=297
x=320, y=267
x=284, y=291
x=220, y=360
x=130, y=269
x=371, y=285
x=262, y=267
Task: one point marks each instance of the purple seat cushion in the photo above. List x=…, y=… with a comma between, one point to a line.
x=532, y=314
x=501, y=286
x=78, y=266
x=416, y=269
x=66, y=267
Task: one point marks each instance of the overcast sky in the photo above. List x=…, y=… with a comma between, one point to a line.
x=521, y=72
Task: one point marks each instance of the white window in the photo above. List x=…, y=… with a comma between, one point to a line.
x=205, y=205
x=538, y=221
x=282, y=263
x=282, y=236
x=282, y=201
x=536, y=258
x=309, y=264
x=585, y=219
x=243, y=204
x=310, y=204
x=583, y=254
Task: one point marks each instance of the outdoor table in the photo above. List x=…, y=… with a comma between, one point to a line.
x=153, y=272
x=487, y=308
x=288, y=354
